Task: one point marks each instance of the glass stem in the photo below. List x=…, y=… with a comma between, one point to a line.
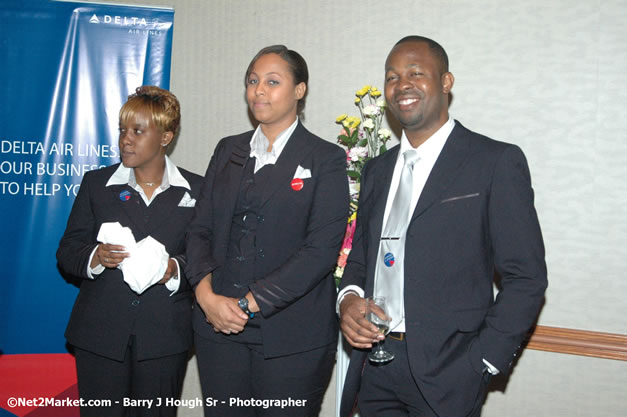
x=379, y=347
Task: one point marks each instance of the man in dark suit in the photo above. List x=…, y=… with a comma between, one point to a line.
x=470, y=215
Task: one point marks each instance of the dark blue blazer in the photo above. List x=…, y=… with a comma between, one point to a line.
x=300, y=237
x=474, y=218
x=107, y=312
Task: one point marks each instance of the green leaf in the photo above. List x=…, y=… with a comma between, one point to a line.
x=363, y=142
x=353, y=174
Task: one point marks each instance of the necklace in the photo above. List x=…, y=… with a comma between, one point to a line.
x=150, y=184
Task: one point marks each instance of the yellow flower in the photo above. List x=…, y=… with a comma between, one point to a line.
x=361, y=93
x=354, y=122
x=375, y=93
x=340, y=118
x=357, y=100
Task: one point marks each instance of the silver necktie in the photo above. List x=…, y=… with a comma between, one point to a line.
x=389, y=274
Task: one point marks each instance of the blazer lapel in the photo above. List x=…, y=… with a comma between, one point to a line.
x=228, y=179
x=445, y=169
x=381, y=177
x=295, y=150
x=132, y=206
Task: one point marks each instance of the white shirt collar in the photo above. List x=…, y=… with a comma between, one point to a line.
x=171, y=176
x=259, y=144
x=430, y=149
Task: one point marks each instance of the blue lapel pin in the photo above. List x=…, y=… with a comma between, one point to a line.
x=125, y=195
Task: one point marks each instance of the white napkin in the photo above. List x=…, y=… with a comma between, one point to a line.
x=187, y=201
x=302, y=173
x=114, y=234
x=146, y=265
x=148, y=258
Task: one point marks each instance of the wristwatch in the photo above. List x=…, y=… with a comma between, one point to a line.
x=243, y=304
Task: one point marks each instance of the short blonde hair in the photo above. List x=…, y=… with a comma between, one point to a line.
x=162, y=105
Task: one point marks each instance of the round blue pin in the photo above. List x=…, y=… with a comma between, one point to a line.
x=125, y=195
x=388, y=259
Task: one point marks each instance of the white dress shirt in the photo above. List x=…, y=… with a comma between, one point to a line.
x=123, y=175
x=259, y=146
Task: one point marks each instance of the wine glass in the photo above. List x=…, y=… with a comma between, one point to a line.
x=377, y=315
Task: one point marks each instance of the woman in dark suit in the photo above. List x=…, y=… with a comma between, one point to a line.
x=261, y=248
x=129, y=345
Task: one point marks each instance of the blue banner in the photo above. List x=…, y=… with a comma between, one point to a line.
x=66, y=70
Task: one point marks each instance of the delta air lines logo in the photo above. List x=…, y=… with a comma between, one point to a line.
x=124, y=21
x=134, y=24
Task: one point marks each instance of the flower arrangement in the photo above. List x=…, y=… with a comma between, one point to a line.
x=363, y=138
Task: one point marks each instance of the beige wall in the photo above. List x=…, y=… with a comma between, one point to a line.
x=547, y=75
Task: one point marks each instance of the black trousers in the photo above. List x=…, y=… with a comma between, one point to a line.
x=390, y=390
x=127, y=382
x=237, y=381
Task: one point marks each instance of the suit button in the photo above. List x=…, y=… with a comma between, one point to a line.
x=135, y=302
x=261, y=254
x=260, y=218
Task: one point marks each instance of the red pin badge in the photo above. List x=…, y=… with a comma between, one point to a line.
x=297, y=184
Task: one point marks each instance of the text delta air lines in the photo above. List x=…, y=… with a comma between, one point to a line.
x=123, y=20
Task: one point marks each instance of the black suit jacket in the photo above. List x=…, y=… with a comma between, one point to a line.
x=475, y=217
x=300, y=235
x=107, y=311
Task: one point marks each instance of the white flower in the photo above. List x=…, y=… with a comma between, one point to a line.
x=380, y=102
x=353, y=187
x=358, y=152
x=339, y=271
x=369, y=124
x=371, y=110
x=384, y=133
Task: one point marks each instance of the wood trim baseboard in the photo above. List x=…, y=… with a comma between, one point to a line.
x=579, y=342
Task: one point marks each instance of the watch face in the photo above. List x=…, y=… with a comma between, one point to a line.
x=243, y=304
